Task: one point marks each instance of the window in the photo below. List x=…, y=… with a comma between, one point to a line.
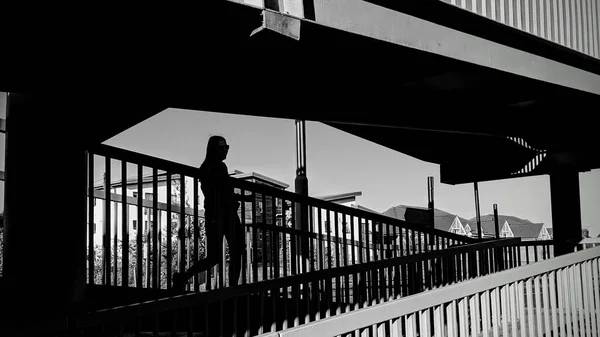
x=259, y=207
x=146, y=225
x=134, y=224
x=149, y=196
x=456, y=229
x=328, y=227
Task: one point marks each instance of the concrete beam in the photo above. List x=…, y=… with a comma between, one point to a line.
x=375, y=21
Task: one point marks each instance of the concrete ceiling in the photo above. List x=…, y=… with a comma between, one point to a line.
x=432, y=107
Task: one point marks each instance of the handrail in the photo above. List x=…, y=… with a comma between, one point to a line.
x=162, y=206
x=355, y=320
x=182, y=301
x=536, y=243
x=359, y=213
x=190, y=171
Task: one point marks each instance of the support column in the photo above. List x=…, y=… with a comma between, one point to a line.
x=431, y=207
x=45, y=211
x=566, y=206
x=477, y=213
x=301, y=187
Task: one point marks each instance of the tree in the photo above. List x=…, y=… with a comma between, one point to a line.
x=585, y=233
x=189, y=242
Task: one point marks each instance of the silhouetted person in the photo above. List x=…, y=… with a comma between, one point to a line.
x=220, y=209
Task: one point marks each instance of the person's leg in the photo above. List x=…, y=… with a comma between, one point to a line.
x=235, y=240
x=180, y=279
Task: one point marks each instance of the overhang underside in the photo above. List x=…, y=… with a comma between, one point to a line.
x=435, y=108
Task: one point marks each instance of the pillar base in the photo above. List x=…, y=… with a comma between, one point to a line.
x=566, y=209
x=45, y=211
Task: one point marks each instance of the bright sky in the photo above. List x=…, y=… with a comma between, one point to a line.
x=338, y=162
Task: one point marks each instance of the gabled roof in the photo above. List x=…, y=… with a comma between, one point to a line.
x=416, y=214
x=399, y=212
x=550, y=231
x=501, y=218
x=530, y=231
x=444, y=222
x=488, y=227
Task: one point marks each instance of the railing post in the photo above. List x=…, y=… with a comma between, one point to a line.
x=430, y=205
x=476, y=189
x=499, y=251
x=106, y=263
x=496, y=224
x=301, y=187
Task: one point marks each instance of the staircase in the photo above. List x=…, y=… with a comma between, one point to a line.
x=306, y=260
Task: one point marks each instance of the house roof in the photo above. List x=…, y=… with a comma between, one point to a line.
x=526, y=230
x=241, y=175
x=488, y=227
x=343, y=197
x=399, y=212
x=365, y=209
x=501, y=218
x=443, y=220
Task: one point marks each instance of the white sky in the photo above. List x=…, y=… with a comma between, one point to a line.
x=338, y=162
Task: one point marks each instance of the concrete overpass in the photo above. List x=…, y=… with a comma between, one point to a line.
x=425, y=78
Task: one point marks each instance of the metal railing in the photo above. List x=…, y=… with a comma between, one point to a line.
x=285, y=233
x=558, y=297
x=278, y=304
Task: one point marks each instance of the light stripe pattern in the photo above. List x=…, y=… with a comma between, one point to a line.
x=534, y=162
x=571, y=23
x=558, y=297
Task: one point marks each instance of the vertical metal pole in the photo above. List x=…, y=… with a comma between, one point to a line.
x=430, y=205
x=497, y=226
x=106, y=224
x=499, y=254
x=301, y=186
x=476, y=187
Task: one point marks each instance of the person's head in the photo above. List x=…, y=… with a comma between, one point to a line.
x=216, y=149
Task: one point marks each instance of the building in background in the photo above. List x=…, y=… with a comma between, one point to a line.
x=444, y=221
x=510, y=227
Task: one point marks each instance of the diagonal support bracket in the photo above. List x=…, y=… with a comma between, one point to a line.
x=280, y=23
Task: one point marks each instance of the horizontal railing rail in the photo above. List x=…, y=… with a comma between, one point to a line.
x=313, y=295
x=559, y=297
x=285, y=233
x=165, y=165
